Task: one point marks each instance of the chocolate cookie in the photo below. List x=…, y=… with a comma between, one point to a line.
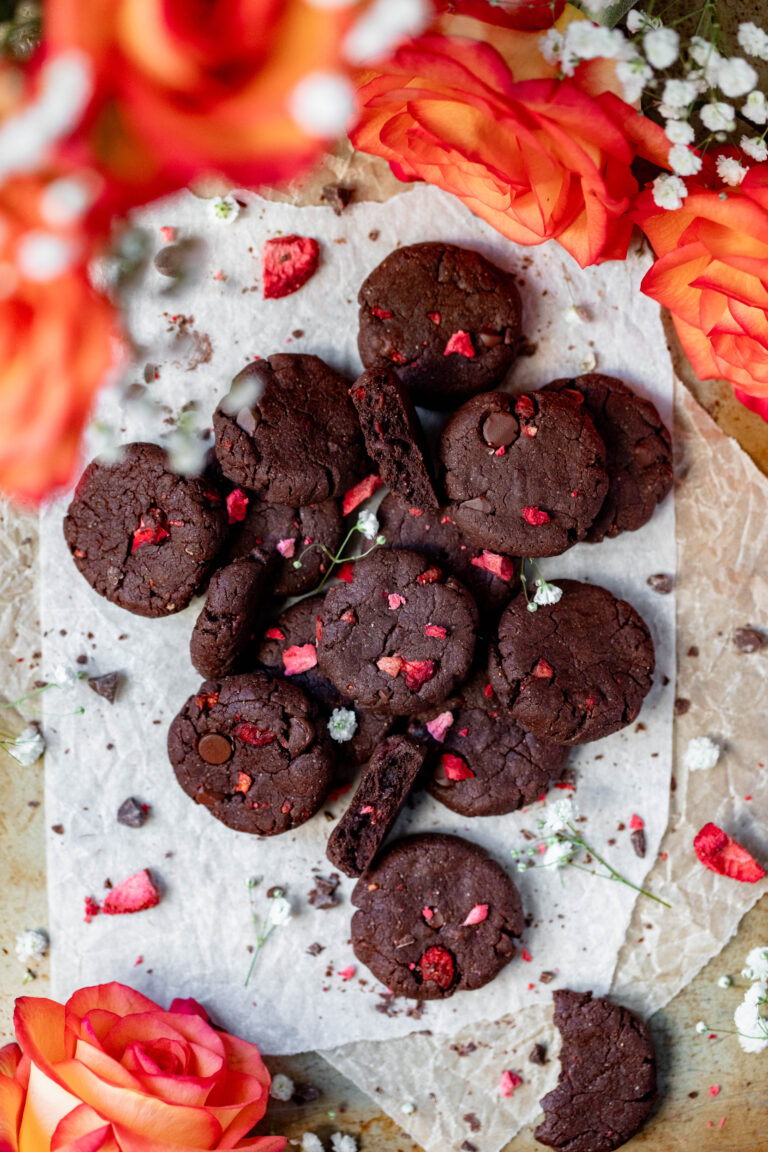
x=142, y=536
x=393, y=435
x=252, y=750
x=491, y=578
x=576, y=670
x=376, y=805
x=224, y=630
x=607, y=1085
x=295, y=633
x=435, y=916
x=284, y=532
x=638, y=451
x=401, y=636
x=525, y=474
x=444, y=317
x=480, y=762
x=288, y=430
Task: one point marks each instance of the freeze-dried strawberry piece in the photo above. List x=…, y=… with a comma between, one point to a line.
x=460, y=343
x=432, y=575
x=395, y=600
x=718, y=852
x=349, y=617
x=435, y=317
x=275, y=634
x=287, y=547
x=636, y=822
x=524, y=407
x=148, y=534
x=346, y=572
x=543, y=670
x=362, y=491
x=476, y=915
x=237, y=506
x=437, y=965
x=132, y=895
x=299, y=658
x=382, y=313
x=318, y=629
x=535, y=516
x=508, y=1082
x=438, y=727
x=455, y=767
x=206, y=700
x=436, y=631
x=390, y=664
x=397, y=357
x=496, y=564
x=91, y=909
x=418, y=672
x=252, y=734
x=244, y=782
x=287, y=262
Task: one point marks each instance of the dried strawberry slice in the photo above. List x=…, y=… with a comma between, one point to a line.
x=460, y=343
x=346, y=572
x=252, y=734
x=535, y=516
x=299, y=658
x=237, y=506
x=274, y=634
x=206, y=700
x=362, y=491
x=392, y=665
x=437, y=966
x=432, y=575
x=718, y=852
x=543, y=670
x=244, y=782
x=381, y=313
x=455, y=767
x=134, y=894
x=288, y=262
x=436, y=631
x=153, y=530
x=496, y=564
x=417, y=672
x=524, y=407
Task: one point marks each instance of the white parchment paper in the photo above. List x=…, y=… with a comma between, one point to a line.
x=194, y=942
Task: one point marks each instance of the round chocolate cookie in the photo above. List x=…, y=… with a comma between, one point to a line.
x=144, y=537
x=400, y=637
x=285, y=532
x=607, y=1085
x=576, y=670
x=435, y=916
x=638, y=451
x=224, y=630
x=491, y=578
x=480, y=763
x=288, y=430
x=296, y=633
x=252, y=750
x=445, y=317
x=525, y=474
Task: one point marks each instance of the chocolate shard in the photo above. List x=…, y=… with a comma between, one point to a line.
x=105, y=686
x=132, y=814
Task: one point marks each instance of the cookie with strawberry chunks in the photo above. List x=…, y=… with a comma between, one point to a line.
x=290, y=535
x=525, y=475
x=224, y=631
x=399, y=636
x=435, y=915
x=447, y=320
x=253, y=751
x=288, y=430
x=144, y=537
x=576, y=670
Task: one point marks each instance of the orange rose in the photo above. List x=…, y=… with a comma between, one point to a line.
x=536, y=157
x=185, y=87
x=110, y=1071
x=57, y=335
x=529, y=14
x=711, y=272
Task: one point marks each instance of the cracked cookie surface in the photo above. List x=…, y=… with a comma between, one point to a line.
x=285, y=532
x=142, y=536
x=446, y=319
x=252, y=751
x=574, y=671
x=435, y=916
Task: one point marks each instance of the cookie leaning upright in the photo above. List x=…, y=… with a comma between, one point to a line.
x=288, y=430
x=144, y=537
x=446, y=319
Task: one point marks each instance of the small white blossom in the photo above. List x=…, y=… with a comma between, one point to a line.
x=669, y=192
x=342, y=725
x=382, y=27
x=551, y=46
x=755, y=148
x=725, y=982
x=679, y=132
x=589, y=363
x=735, y=77
x=586, y=41
x=224, y=209
x=31, y=945
x=28, y=747
x=752, y=1026
x=321, y=103
x=756, y=965
x=311, y=1143
x=408, y=1108
x=633, y=75
x=279, y=911
x=718, y=117
x=679, y=93
x=556, y=817
x=753, y=40
x=367, y=524
x=558, y=854
x=547, y=593
x=282, y=1087
x=701, y=1028
x=341, y=1142
x=63, y=676
x=730, y=171
x=701, y=753
x=706, y=56
x=638, y=21
x=661, y=46
x=698, y=78
x=756, y=107
x=682, y=161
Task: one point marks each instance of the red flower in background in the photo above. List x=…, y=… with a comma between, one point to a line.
x=711, y=272
x=526, y=15
x=536, y=157
x=189, y=87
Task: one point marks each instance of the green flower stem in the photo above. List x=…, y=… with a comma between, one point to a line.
x=261, y=938
x=336, y=559
x=614, y=875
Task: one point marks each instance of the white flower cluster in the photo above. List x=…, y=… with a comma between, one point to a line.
x=31, y=945
x=752, y=1025
x=691, y=106
x=554, y=847
x=340, y=1142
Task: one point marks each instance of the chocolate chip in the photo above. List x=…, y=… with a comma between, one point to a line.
x=468, y=1146
x=82, y=659
x=490, y=339
x=499, y=429
x=132, y=814
x=662, y=583
x=749, y=639
x=682, y=705
x=693, y=651
x=214, y=748
x=337, y=197
x=247, y=420
x=538, y=1054
x=638, y=841
x=171, y=261
x=106, y=685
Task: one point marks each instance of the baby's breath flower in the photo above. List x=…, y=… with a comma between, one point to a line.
x=367, y=524
x=28, y=747
x=679, y=132
x=756, y=965
x=751, y=1024
x=551, y=46
x=701, y=1028
x=279, y=911
x=706, y=56
x=756, y=107
x=556, y=817
x=558, y=853
x=310, y=1142
x=669, y=191
x=718, y=117
x=408, y=1108
x=31, y=945
x=725, y=982
x=342, y=725
x=701, y=754
x=586, y=41
x=730, y=171
x=633, y=75
x=282, y=1087
x=755, y=147
x=661, y=46
x=753, y=40
x=547, y=593
x=735, y=77
x=342, y=1142
x=679, y=93
x=638, y=21
x=682, y=161
x=224, y=209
